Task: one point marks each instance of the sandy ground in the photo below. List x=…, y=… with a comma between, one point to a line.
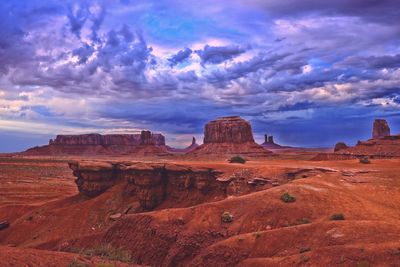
x=40, y=200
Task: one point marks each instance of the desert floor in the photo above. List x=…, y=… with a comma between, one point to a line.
x=52, y=225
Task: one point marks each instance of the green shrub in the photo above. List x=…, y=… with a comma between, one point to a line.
x=226, y=217
x=76, y=263
x=109, y=252
x=365, y=160
x=303, y=221
x=337, y=217
x=363, y=264
x=256, y=234
x=304, y=249
x=237, y=159
x=286, y=197
x=105, y=265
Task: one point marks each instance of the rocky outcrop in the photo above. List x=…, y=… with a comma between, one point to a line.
x=382, y=145
x=340, y=146
x=380, y=129
x=144, y=138
x=151, y=183
x=229, y=136
x=143, y=144
x=270, y=144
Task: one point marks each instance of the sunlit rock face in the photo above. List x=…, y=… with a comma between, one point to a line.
x=227, y=136
x=380, y=129
x=228, y=130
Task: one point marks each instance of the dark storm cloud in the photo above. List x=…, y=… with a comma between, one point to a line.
x=77, y=19
x=296, y=61
x=181, y=56
x=385, y=11
x=378, y=62
x=219, y=54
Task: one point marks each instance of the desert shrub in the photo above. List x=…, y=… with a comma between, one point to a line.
x=304, y=258
x=363, y=264
x=337, y=217
x=304, y=249
x=237, y=159
x=287, y=198
x=303, y=221
x=105, y=265
x=365, y=160
x=109, y=252
x=256, y=234
x=76, y=263
x=226, y=217
x=241, y=238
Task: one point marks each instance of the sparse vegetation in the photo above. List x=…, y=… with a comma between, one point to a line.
x=241, y=238
x=287, y=198
x=257, y=234
x=304, y=249
x=363, y=264
x=76, y=263
x=237, y=159
x=365, y=160
x=304, y=258
x=106, y=252
x=226, y=217
x=337, y=217
x=105, y=265
x=303, y=221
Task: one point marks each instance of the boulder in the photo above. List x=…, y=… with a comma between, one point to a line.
x=380, y=129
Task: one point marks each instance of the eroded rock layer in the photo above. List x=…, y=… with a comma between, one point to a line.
x=152, y=183
x=143, y=144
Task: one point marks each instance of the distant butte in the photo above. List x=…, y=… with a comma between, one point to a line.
x=381, y=145
x=229, y=136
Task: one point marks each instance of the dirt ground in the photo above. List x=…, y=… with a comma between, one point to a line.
x=52, y=225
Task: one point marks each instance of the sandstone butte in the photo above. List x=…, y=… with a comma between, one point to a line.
x=381, y=145
x=229, y=136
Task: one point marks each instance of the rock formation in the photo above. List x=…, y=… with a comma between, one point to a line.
x=228, y=130
x=380, y=129
x=229, y=136
x=151, y=183
x=185, y=150
x=145, y=143
x=340, y=146
x=382, y=145
x=270, y=144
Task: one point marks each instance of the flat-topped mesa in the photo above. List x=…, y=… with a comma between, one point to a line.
x=228, y=136
x=144, y=138
x=228, y=130
x=380, y=129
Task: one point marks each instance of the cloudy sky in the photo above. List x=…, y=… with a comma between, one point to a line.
x=310, y=72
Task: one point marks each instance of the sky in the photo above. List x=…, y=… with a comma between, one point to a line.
x=309, y=72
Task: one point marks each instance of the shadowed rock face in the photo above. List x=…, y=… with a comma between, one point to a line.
x=380, y=129
x=228, y=130
x=151, y=183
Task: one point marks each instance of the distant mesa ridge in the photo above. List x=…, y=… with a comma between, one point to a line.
x=144, y=138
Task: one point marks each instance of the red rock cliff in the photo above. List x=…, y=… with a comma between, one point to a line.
x=380, y=129
x=228, y=130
